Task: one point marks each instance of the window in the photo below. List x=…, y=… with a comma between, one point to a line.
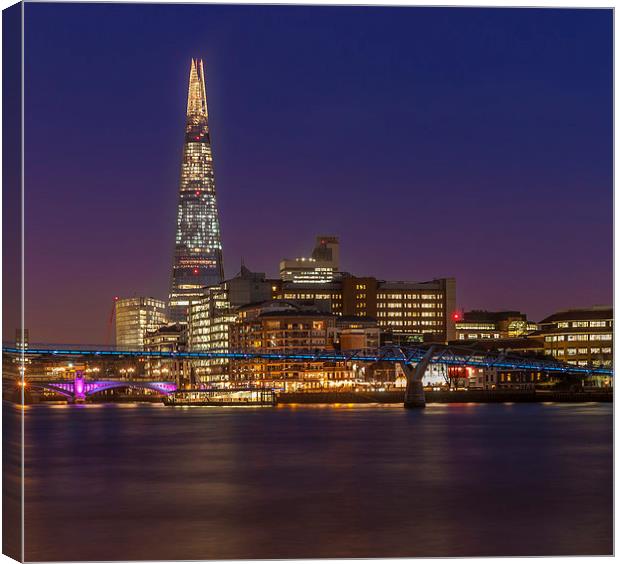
x=577, y=337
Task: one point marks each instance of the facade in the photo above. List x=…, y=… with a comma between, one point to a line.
x=472, y=378
x=491, y=378
x=423, y=309
x=477, y=325
x=579, y=336
x=319, y=268
x=356, y=334
x=135, y=317
x=280, y=326
x=210, y=319
x=198, y=247
x=167, y=338
x=409, y=311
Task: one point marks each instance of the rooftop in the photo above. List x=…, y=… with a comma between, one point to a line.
x=482, y=315
x=296, y=313
x=519, y=343
x=582, y=314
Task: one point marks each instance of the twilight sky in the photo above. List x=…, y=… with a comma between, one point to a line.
x=474, y=143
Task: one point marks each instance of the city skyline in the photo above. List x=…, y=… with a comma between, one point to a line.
x=438, y=215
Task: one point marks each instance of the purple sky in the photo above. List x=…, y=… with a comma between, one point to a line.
x=434, y=142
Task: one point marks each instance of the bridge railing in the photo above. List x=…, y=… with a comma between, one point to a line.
x=445, y=355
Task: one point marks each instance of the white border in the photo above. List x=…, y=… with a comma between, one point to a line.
x=454, y=3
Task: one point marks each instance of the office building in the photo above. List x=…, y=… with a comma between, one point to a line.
x=579, y=336
x=321, y=267
x=476, y=325
x=198, y=246
x=211, y=316
x=135, y=317
x=407, y=311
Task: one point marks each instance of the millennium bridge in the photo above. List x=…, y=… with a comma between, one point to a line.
x=414, y=362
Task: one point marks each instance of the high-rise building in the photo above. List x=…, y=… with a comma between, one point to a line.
x=198, y=246
x=135, y=317
x=319, y=268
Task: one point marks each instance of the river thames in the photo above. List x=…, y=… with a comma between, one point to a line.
x=145, y=481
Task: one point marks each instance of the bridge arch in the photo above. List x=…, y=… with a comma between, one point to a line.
x=163, y=388
x=69, y=390
x=52, y=388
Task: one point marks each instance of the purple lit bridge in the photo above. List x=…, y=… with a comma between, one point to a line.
x=79, y=388
x=413, y=360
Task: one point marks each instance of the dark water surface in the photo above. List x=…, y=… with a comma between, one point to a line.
x=135, y=481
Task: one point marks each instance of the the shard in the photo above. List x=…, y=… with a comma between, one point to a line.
x=198, y=246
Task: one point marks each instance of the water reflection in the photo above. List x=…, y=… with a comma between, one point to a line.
x=317, y=481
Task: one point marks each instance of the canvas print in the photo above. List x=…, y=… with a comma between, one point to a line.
x=295, y=281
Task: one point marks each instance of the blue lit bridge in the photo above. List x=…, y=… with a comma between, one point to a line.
x=413, y=360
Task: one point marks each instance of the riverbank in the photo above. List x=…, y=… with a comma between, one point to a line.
x=366, y=397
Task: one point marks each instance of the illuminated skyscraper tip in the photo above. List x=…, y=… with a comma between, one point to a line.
x=196, y=95
x=198, y=246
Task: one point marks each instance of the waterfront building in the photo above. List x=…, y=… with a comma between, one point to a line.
x=135, y=317
x=197, y=258
x=357, y=335
x=580, y=336
x=321, y=267
x=491, y=378
x=171, y=337
x=280, y=326
x=209, y=320
x=353, y=333
x=478, y=324
x=409, y=311
x=211, y=316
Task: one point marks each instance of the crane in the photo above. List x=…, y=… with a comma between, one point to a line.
x=108, y=340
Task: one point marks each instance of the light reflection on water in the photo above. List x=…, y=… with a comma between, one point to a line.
x=316, y=481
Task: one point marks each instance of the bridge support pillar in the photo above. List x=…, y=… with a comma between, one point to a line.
x=414, y=393
x=79, y=387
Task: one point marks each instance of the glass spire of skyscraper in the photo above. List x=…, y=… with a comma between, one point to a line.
x=198, y=245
